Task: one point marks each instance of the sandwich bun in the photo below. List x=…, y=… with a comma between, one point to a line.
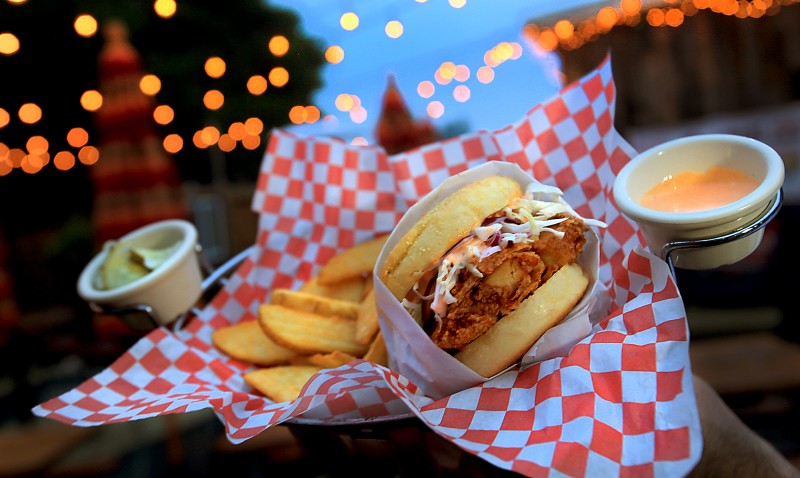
x=453, y=219
x=442, y=227
x=508, y=340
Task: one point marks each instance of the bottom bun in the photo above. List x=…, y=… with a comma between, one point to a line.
x=507, y=341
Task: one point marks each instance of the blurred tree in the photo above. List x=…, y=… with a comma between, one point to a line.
x=55, y=66
x=238, y=31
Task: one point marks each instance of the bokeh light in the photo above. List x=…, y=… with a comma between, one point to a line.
x=461, y=93
x=9, y=43
x=15, y=156
x=344, y=102
x=278, y=77
x=214, y=67
x=257, y=85
x=91, y=100
x=278, y=45
x=251, y=141
x=394, y=29
x=425, y=89
x=173, y=143
x=237, y=131
x=210, y=135
x=564, y=29
x=349, y=21
x=435, y=109
x=88, y=155
x=226, y=143
x=37, y=145
x=77, y=137
x=213, y=99
x=253, y=126
x=631, y=7
x=64, y=160
x=197, y=140
x=312, y=114
x=334, y=54
x=163, y=114
x=447, y=70
x=85, y=25
x=165, y=8
x=358, y=115
x=296, y=114
x=485, y=74
x=30, y=113
x=462, y=73
x=606, y=18
x=150, y=85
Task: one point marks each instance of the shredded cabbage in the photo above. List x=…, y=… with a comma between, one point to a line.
x=522, y=221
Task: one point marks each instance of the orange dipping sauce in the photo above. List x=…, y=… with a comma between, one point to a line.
x=692, y=191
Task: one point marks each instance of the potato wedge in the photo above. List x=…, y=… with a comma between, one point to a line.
x=246, y=341
x=282, y=383
x=313, y=303
x=309, y=333
x=327, y=360
x=351, y=290
x=353, y=262
x=367, y=320
x=377, y=352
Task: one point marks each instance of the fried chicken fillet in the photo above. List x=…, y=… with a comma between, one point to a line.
x=509, y=277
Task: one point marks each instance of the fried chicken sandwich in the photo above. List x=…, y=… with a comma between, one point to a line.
x=490, y=269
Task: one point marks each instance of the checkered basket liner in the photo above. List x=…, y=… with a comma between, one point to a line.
x=620, y=403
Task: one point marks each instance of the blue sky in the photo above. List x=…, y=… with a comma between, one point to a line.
x=434, y=32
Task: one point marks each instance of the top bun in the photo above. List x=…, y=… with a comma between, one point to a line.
x=442, y=227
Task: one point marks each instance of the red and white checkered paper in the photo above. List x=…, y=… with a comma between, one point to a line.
x=620, y=403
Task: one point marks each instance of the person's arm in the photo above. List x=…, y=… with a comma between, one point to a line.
x=730, y=448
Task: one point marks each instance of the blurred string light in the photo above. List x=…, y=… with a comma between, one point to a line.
x=30, y=113
x=36, y=154
x=214, y=67
x=334, y=54
x=91, y=100
x=449, y=76
x=85, y=25
x=393, y=29
x=150, y=84
x=163, y=114
x=278, y=45
x=566, y=35
x=9, y=44
x=449, y=72
x=213, y=99
x=77, y=137
x=257, y=85
x=425, y=89
x=165, y=8
x=278, y=77
x=304, y=114
x=351, y=104
x=349, y=21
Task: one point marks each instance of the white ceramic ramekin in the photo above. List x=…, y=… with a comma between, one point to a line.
x=170, y=290
x=698, y=153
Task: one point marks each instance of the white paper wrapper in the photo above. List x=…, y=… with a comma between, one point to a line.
x=414, y=355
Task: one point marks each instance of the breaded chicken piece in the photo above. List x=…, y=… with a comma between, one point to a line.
x=559, y=251
x=510, y=276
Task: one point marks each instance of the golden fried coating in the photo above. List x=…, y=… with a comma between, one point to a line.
x=509, y=277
